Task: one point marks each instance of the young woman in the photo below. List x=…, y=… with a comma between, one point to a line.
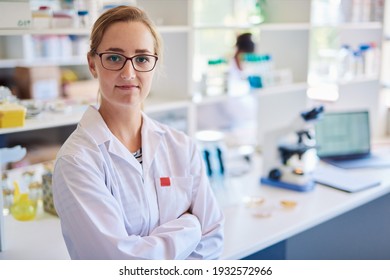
x=126, y=186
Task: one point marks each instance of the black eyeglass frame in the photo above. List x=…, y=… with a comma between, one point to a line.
x=126, y=59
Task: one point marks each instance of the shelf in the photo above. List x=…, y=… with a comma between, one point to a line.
x=173, y=28
x=358, y=80
x=344, y=82
x=85, y=32
x=46, y=31
x=285, y=27
x=353, y=25
x=265, y=26
x=272, y=90
x=225, y=26
x=48, y=120
x=79, y=31
x=48, y=61
x=283, y=89
x=154, y=104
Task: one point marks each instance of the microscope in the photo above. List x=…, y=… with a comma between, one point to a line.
x=290, y=155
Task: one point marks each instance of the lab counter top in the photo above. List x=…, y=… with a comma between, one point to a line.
x=256, y=217
x=40, y=239
x=261, y=220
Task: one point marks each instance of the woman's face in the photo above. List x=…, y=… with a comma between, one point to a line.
x=125, y=87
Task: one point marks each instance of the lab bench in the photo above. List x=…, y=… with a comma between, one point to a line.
x=262, y=222
x=325, y=223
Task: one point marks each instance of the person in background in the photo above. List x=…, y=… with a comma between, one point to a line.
x=124, y=185
x=233, y=113
x=238, y=80
x=244, y=44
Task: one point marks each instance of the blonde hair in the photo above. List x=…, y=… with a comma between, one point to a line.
x=123, y=14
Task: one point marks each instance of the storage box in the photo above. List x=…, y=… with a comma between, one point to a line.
x=47, y=176
x=40, y=83
x=48, y=204
x=15, y=14
x=12, y=115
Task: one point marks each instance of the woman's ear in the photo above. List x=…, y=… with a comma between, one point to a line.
x=91, y=65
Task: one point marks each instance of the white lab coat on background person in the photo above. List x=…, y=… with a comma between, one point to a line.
x=113, y=207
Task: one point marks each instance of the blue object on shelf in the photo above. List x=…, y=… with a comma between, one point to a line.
x=280, y=184
x=82, y=13
x=255, y=81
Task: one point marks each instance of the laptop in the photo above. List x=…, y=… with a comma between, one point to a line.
x=344, y=140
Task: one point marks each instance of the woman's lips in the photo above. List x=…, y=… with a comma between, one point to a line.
x=127, y=87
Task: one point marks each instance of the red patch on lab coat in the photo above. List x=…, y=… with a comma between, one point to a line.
x=165, y=182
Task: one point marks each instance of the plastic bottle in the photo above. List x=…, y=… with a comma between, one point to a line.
x=356, y=11
x=253, y=70
x=259, y=69
x=7, y=195
x=344, y=61
x=215, y=77
x=376, y=58
x=212, y=145
x=344, y=12
x=319, y=11
x=83, y=21
x=334, y=12
x=365, y=10
x=358, y=62
x=23, y=208
x=377, y=10
x=94, y=8
x=256, y=15
x=369, y=58
x=268, y=70
x=83, y=13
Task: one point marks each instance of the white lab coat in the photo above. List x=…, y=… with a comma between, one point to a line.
x=112, y=207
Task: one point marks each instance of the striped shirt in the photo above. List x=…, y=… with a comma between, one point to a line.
x=138, y=155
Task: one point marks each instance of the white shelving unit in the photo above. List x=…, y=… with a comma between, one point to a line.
x=194, y=30
x=165, y=94
x=174, y=87
x=247, y=116
x=47, y=120
x=361, y=91
x=44, y=31
x=286, y=34
x=385, y=71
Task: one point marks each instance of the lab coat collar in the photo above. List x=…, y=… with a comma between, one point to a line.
x=95, y=126
x=151, y=133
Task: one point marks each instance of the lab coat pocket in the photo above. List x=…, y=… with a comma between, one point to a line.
x=174, y=196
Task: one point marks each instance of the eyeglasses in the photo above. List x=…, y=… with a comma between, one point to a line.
x=115, y=61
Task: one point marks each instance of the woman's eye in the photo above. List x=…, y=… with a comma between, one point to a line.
x=142, y=59
x=114, y=58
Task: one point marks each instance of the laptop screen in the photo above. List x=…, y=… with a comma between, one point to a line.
x=343, y=135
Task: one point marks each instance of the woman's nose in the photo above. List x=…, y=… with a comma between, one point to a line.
x=128, y=72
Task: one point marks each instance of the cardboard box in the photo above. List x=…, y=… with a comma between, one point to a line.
x=15, y=14
x=40, y=83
